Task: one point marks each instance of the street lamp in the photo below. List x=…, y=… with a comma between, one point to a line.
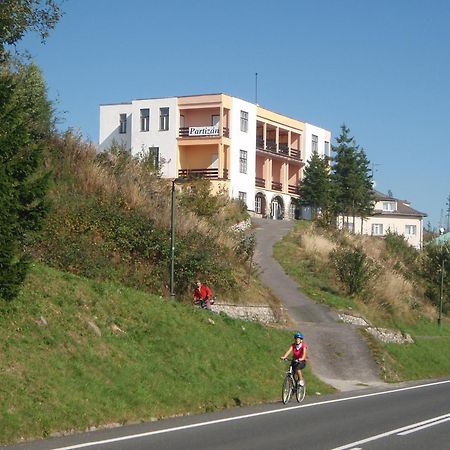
x=172, y=237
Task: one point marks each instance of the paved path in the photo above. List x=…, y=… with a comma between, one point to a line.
x=338, y=353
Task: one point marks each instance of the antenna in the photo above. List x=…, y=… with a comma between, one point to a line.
x=256, y=87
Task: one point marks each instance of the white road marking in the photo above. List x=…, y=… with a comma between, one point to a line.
x=414, y=426
x=247, y=416
x=425, y=426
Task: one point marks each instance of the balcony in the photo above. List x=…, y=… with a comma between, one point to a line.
x=282, y=149
x=211, y=174
x=293, y=189
x=277, y=186
x=260, y=182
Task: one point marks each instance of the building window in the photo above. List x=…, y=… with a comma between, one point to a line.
x=244, y=121
x=377, y=229
x=215, y=120
x=388, y=206
x=243, y=161
x=349, y=226
x=145, y=119
x=327, y=148
x=163, y=119
x=315, y=143
x=243, y=197
x=153, y=156
x=410, y=230
x=258, y=204
x=123, y=124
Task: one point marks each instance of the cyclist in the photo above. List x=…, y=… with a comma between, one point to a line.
x=203, y=295
x=299, y=351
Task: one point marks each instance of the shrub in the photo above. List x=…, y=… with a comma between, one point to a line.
x=354, y=269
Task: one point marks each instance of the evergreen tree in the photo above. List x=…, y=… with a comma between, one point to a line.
x=24, y=121
x=315, y=188
x=351, y=178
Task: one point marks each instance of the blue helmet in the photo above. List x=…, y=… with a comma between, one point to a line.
x=298, y=335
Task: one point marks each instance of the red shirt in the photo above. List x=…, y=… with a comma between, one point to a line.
x=202, y=293
x=298, y=353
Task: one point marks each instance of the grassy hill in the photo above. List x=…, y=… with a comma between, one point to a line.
x=77, y=353
x=395, y=298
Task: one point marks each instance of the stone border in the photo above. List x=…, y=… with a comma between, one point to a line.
x=252, y=313
x=382, y=334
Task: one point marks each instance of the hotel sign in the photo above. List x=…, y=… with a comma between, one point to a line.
x=203, y=131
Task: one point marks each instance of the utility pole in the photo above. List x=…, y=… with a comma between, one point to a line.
x=448, y=213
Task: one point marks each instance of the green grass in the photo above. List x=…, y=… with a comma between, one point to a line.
x=428, y=357
x=312, y=279
x=153, y=359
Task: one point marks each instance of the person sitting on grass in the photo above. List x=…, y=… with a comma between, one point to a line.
x=203, y=295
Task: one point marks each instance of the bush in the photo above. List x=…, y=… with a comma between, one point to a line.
x=354, y=269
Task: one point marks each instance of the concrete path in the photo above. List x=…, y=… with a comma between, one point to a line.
x=337, y=352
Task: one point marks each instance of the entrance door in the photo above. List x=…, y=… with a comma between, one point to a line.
x=275, y=209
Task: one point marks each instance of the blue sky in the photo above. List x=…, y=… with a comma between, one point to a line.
x=382, y=67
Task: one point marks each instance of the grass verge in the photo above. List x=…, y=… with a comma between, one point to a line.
x=77, y=353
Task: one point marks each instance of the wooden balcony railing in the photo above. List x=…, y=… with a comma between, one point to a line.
x=281, y=149
x=212, y=174
x=276, y=186
x=260, y=182
x=293, y=189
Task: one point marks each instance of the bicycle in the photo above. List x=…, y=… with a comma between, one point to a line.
x=291, y=385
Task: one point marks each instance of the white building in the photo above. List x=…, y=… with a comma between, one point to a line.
x=255, y=154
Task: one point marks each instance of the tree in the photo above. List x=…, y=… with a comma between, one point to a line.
x=351, y=178
x=315, y=188
x=25, y=115
x=17, y=17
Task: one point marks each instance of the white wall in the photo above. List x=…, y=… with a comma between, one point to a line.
x=164, y=140
x=109, y=125
x=243, y=141
x=322, y=134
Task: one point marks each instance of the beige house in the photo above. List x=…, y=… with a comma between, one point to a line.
x=390, y=215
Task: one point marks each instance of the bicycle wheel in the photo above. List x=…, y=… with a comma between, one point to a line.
x=287, y=389
x=300, y=392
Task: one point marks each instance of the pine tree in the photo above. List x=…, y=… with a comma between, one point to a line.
x=351, y=178
x=315, y=188
x=24, y=121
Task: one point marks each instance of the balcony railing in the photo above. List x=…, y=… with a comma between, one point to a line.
x=276, y=186
x=212, y=174
x=293, y=189
x=260, y=182
x=281, y=149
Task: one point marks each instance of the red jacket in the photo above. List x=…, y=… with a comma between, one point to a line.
x=202, y=293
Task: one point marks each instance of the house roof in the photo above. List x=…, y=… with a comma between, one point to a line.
x=403, y=206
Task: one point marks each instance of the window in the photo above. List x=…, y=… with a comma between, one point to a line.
x=215, y=120
x=244, y=121
x=123, y=123
x=243, y=161
x=327, y=148
x=349, y=226
x=258, y=204
x=315, y=143
x=243, y=197
x=145, y=119
x=153, y=156
x=388, y=206
x=377, y=229
x=410, y=230
x=163, y=119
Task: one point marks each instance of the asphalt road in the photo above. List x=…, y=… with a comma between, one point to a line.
x=403, y=417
